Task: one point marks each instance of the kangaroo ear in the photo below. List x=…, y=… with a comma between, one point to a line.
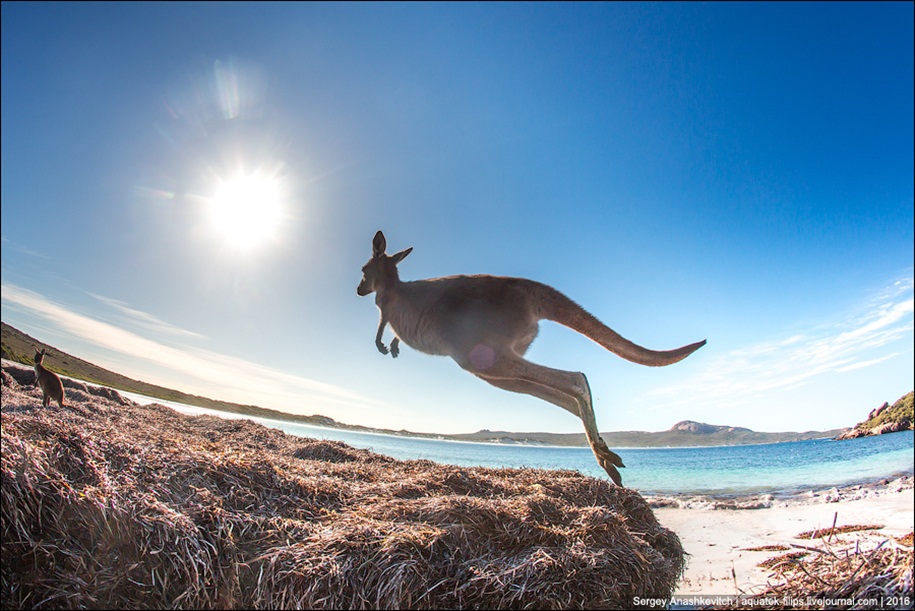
x=378, y=244
x=401, y=255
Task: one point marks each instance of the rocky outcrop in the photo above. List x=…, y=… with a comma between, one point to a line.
x=878, y=411
x=884, y=419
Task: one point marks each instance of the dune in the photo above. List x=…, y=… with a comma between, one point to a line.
x=109, y=504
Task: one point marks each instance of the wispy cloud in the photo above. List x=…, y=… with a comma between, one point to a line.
x=24, y=249
x=745, y=373
x=144, y=319
x=863, y=364
x=205, y=372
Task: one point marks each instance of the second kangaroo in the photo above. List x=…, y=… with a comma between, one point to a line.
x=50, y=384
x=487, y=323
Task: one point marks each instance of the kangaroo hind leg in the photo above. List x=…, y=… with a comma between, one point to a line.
x=568, y=390
x=549, y=395
x=590, y=422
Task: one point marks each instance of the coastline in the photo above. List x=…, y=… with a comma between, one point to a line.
x=361, y=430
x=896, y=482
x=723, y=537
x=627, y=440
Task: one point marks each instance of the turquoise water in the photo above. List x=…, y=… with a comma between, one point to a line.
x=774, y=468
x=727, y=470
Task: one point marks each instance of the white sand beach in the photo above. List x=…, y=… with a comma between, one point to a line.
x=718, y=539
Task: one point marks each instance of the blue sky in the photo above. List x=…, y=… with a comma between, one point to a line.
x=736, y=172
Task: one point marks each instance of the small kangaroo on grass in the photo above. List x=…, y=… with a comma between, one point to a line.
x=51, y=386
x=487, y=323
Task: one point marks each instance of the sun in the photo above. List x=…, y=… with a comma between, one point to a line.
x=246, y=209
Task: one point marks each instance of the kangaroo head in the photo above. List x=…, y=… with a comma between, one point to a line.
x=39, y=356
x=381, y=270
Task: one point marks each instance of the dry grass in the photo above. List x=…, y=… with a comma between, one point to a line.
x=838, y=577
x=836, y=530
x=767, y=548
x=878, y=579
x=107, y=505
x=789, y=558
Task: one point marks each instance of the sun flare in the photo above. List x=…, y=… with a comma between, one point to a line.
x=246, y=209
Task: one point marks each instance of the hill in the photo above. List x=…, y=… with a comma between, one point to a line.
x=20, y=347
x=682, y=434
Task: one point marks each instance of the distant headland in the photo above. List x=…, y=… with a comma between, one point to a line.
x=885, y=419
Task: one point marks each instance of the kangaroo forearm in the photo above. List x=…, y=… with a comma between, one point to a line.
x=378, y=343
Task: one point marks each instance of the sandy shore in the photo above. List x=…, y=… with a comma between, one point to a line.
x=719, y=539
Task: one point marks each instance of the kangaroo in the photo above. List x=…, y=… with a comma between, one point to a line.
x=487, y=323
x=51, y=386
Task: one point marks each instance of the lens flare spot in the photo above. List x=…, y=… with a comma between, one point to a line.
x=482, y=357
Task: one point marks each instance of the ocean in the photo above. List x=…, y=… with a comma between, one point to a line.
x=722, y=471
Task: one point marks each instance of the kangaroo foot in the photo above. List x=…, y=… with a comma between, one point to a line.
x=600, y=447
x=611, y=470
x=608, y=460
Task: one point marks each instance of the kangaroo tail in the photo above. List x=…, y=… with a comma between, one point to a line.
x=557, y=307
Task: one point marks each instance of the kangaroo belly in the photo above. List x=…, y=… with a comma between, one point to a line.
x=413, y=318
x=450, y=316
x=426, y=341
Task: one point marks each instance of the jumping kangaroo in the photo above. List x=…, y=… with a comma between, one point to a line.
x=51, y=386
x=487, y=323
